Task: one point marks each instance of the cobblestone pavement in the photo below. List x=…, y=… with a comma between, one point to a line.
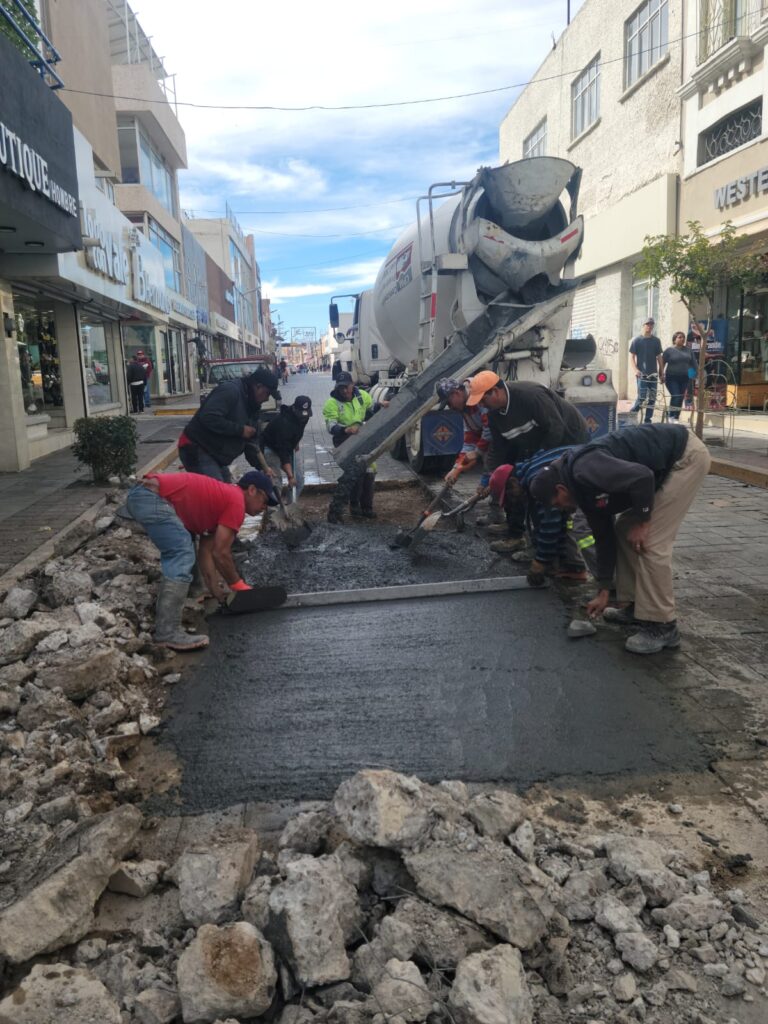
x=38, y=502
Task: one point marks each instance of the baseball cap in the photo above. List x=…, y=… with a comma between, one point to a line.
x=261, y=375
x=542, y=487
x=650, y=321
x=343, y=379
x=260, y=480
x=498, y=482
x=480, y=383
x=303, y=406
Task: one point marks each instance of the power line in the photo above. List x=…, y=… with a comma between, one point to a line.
x=265, y=108
x=322, y=263
x=342, y=234
x=282, y=213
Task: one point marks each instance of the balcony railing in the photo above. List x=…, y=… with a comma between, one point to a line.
x=722, y=20
x=30, y=39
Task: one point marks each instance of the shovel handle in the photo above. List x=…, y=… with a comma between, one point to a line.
x=265, y=466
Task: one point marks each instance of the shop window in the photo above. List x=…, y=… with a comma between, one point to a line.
x=646, y=39
x=39, y=364
x=645, y=303
x=141, y=338
x=95, y=338
x=737, y=129
x=747, y=352
x=536, y=143
x=585, y=98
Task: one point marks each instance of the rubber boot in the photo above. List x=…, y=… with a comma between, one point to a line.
x=366, y=496
x=171, y=596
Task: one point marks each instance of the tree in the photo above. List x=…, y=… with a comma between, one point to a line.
x=11, y=34
x=695, y=268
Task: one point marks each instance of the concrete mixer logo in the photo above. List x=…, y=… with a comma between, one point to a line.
x=398, y=273
x=403, y=265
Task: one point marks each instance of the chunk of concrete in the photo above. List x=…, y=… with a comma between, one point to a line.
x=440, y=938
x=212, y=882
x=226, y=971
x=693, y=910
x=401, y=991
x=18, y=603
x=497, y=814
x=59, y=994
x=313, y=914
x=58, y=910
x=21, y=638
x=157, y=1005
x=487, y=883
x=79, y=677
x=490, y=988
x=136, y=877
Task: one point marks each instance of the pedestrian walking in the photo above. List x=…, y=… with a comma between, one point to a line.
x=149, y=366
x=635, y=487
x=135, y=376
x=524, y=418
x=645, y=354
x=679, y=367
x=226, y=425
x=344, y=413
x=172, y=508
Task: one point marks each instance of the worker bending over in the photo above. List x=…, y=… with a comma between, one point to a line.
x=283, y=434
x=172, y=508
x=635, y=487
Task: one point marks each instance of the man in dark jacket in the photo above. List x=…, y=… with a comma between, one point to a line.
x=134, y=373
x=635, y=487
x=223, y=426
x=283, y=434
x=524, y=418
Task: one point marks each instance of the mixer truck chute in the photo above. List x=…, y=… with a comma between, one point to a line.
x=484, y=276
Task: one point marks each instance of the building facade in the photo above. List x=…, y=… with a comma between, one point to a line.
x=725, y=168
x=605, y=98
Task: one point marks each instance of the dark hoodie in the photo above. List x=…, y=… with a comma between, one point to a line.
x=217, y=426
x=284, y=433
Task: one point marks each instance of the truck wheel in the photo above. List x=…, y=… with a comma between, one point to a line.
x=428, y=465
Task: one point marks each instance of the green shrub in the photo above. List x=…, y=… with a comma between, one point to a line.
x=107, y=444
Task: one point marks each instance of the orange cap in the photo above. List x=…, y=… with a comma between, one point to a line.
x=480, y=383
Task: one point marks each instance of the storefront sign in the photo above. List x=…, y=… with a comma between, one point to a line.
x=19, y=158
x=103, y=252
x=144, y=288
x=741, y=189
x=186, y=309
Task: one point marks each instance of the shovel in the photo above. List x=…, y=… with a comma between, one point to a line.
x=405, y=538
x=293, y=529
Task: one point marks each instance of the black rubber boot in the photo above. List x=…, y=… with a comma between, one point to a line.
x=366, y=495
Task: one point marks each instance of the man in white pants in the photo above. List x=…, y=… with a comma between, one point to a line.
x=634, y=487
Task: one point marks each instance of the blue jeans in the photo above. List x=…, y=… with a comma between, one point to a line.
x=147, y=395
x=195, y=460
x=646, y=395
x=165, y=530
x=676, y=386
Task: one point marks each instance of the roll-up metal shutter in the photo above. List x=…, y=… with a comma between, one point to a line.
x=583, y=311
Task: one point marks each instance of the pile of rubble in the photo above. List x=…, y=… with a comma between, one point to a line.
x=400, y=903
x=80, y=683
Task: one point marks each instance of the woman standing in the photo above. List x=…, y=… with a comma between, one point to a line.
x=677, y=360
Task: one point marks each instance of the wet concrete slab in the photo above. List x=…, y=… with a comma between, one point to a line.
x=484, y=688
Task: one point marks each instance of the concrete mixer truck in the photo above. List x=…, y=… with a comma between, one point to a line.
x=483, y=278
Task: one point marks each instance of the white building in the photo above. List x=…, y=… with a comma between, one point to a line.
x=605, y=97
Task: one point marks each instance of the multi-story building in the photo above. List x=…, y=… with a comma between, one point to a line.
x=725, y=166
x=228, y=246
x=605, y=97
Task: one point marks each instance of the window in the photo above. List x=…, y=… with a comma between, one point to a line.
x=170, y=251
x=585, y=98
x=536, y=143
x=95, y=337
x=721, y=20
x=141, y=163
x=129, y=156
x=731, y=132
x=646, y=39
x=374, y=351
x=645, y=303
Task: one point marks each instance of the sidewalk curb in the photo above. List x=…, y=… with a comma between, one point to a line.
x=739, y=471
x=46, y=550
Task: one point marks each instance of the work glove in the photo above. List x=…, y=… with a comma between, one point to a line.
x=537, y=574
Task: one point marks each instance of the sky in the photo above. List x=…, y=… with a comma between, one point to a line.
x=326, y=193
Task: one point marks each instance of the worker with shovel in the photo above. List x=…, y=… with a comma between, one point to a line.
x=557, y=552
x=635, y=486
x=344, y=413
x=172, y=508
x=282, y=435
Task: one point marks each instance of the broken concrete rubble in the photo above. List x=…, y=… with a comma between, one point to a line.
x=59, y=994
x=212, y=882
x=491, y=988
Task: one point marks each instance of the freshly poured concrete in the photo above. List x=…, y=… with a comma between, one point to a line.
x=484, y=687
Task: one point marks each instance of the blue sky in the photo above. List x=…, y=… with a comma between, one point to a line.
x=326, y=193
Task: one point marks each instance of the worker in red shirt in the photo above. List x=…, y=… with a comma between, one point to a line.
x=172, y=508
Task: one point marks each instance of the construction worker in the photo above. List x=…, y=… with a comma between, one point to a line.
x=172, y=507
x=524, y=418
x=344, y=413
x=635, y=487
x=557, y=551
x=283, y=434
x=477, y=435
x=226, y=425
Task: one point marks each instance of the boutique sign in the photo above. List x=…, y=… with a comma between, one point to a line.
x=103, y=250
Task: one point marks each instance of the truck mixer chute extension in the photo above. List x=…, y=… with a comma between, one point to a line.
x=484, y=276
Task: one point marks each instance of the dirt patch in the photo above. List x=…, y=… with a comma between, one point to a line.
x=400, y=505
